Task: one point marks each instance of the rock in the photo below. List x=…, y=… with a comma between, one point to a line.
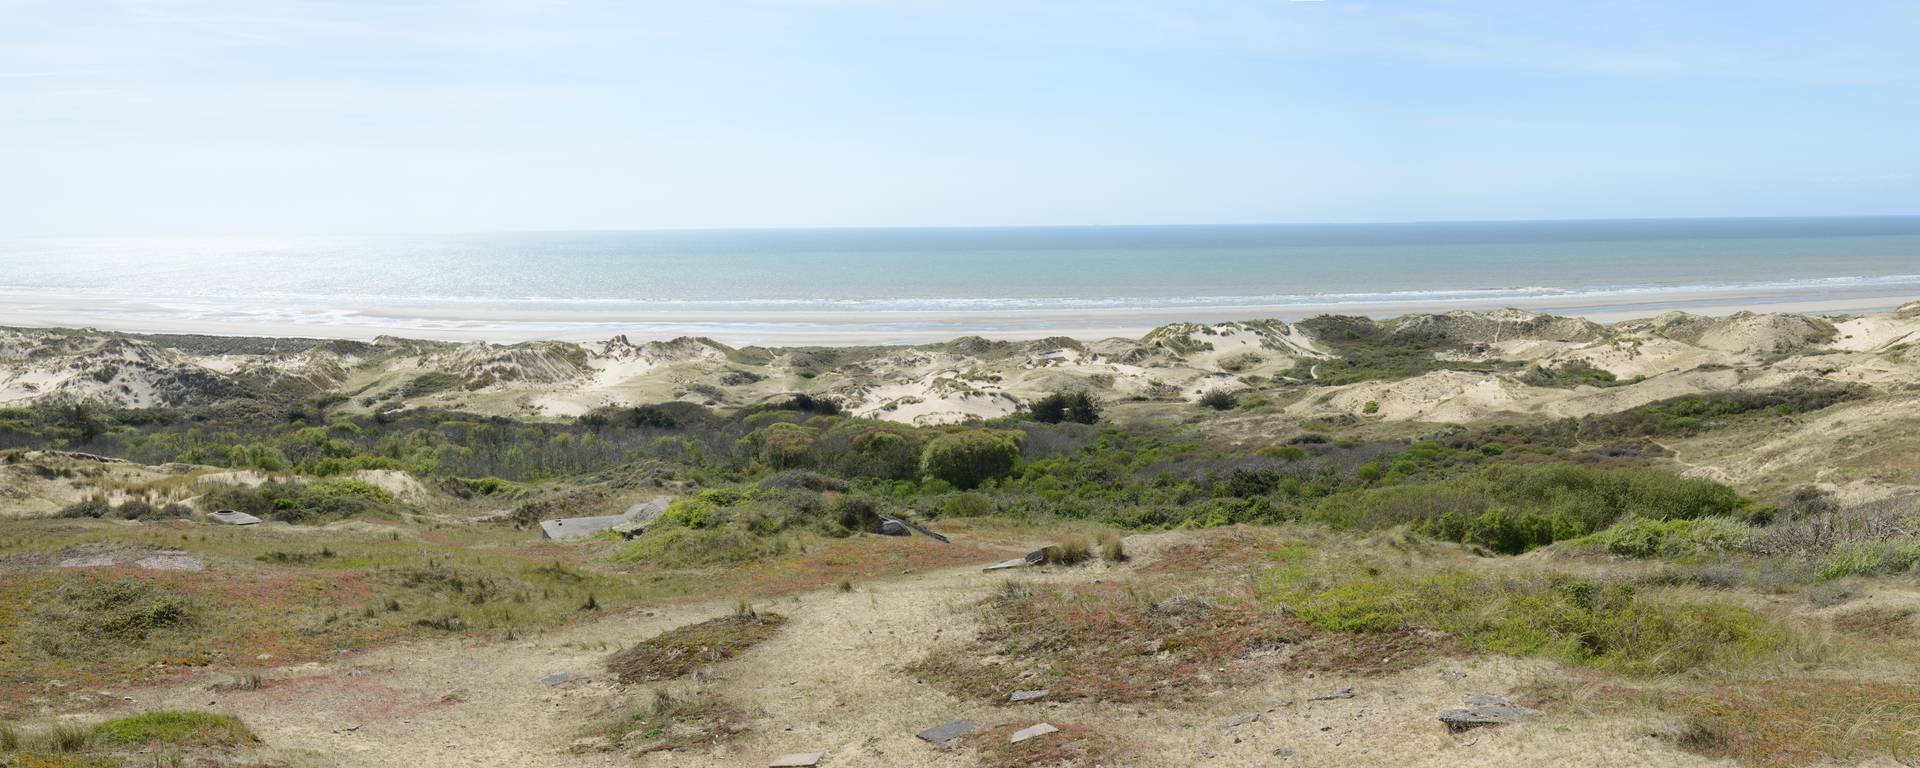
x=1025, y=696
x=88, y=561
x=1240, y=720
x=796, y=760
x=1032, y=731
x=556, y=678
x=1344, y=693
x=946, y=732
x=893, y=528
x=1005, y=564
x=230, y=517
x=1483, y=709
x=1282, y=752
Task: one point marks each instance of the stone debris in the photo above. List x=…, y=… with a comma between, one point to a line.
x=88, y=561
x=1344, y=693
x=796, y=760
x=947, y=732
x=1025, y=696
x=1485, y=709
x=556, y=678
x=230, y=517
x=1240, y=720
x=1032, y=731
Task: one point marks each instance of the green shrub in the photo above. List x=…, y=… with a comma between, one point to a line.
x=1514, y=508
x=967, y=459
x=1640, y=537
x=966, y=505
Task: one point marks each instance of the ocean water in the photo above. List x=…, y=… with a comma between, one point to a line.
x=916, y=284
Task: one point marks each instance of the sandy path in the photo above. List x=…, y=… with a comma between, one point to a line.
x=830, y=682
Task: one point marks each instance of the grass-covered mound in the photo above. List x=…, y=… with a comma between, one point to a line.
x=96, y=618
x=1603, y=624
x=735, y=524
x=679, y=651
x=174, y=728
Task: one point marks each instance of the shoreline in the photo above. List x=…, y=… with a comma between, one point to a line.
x=847, y=327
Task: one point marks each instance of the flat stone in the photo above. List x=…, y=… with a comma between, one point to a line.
x=1032, y=731
x=1023, y=696
x=1344, y=693
x=174, y=562
x=556, y=678
x=796, y=760
x=1492, y=711
x=88, y=561
x=948, y=731
x=1017, y=562
x=1240, y=720
x=230, y=517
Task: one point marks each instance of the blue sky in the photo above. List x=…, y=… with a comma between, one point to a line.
x=260, y=117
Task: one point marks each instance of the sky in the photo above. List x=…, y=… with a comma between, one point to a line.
x=241, y=117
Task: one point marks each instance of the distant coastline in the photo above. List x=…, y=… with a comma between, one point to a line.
x=840, y=287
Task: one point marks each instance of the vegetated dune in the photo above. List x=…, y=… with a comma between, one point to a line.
x=1452, y=367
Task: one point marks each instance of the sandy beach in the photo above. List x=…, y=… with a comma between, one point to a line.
x=506, y=323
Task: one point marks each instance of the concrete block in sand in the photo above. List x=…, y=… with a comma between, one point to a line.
x=1032, y=731
x=946, y=732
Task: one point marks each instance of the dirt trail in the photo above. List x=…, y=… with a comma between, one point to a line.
x=831, y=682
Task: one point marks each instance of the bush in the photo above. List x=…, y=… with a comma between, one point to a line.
x=1112, y=548
x=1073, y=551
x=1220, y=399
x=857, y=514
x=95, y=507
x=1640, y=537
x=1076, y=407
x=964, y=460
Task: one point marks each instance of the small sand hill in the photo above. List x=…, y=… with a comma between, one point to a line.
x=1499, y=326
x=1874, y=333
x=1442, y=396
x=1742, y=332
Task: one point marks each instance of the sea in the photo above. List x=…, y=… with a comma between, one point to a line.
x=911, y=285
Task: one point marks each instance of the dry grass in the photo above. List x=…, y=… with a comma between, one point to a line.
x=1800, y=722
x=1073, y=745
x=681, y=650
x=1121, y=642
x=1876, y=623
x=671, y=721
